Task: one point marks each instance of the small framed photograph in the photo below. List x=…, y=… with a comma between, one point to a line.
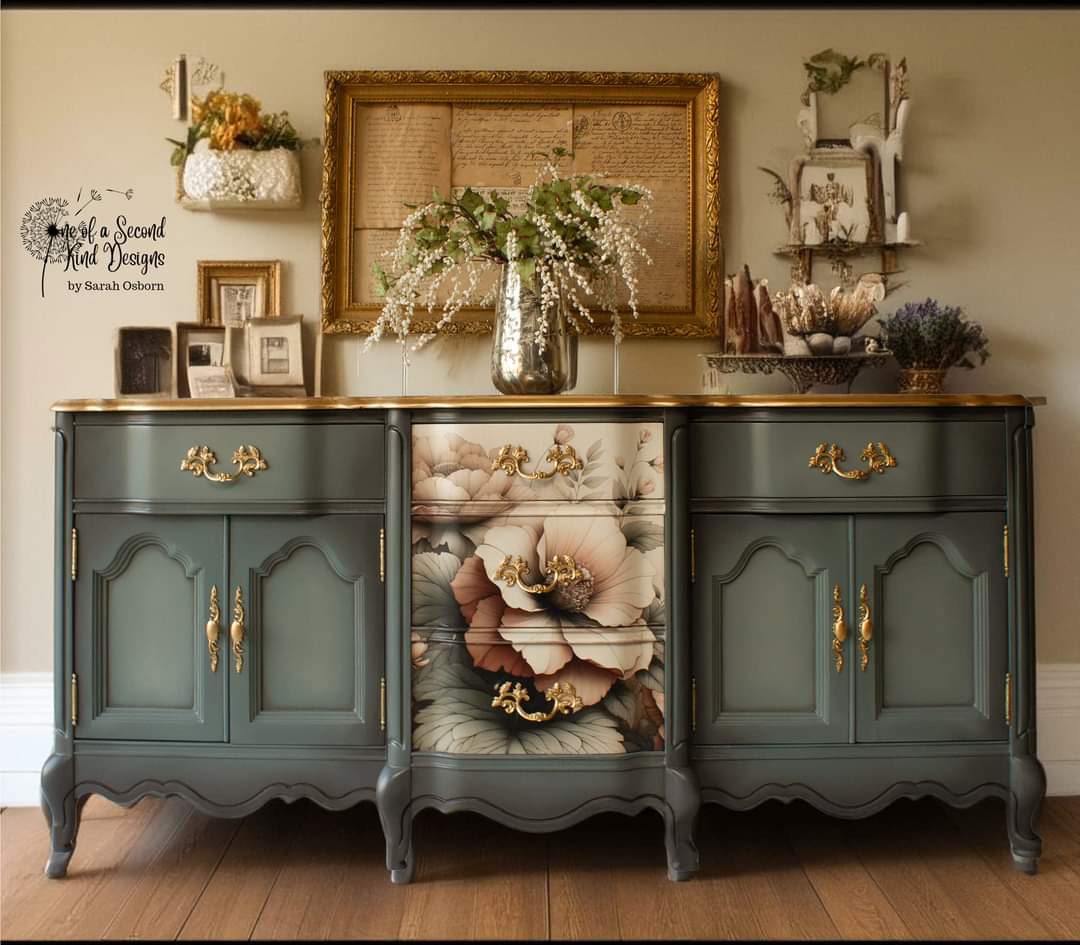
x=835, y=199
x=200, y=361
x=266, y=355
x=144, y=362
x=233, y=293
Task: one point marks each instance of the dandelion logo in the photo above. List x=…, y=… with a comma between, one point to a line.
x=45, y=236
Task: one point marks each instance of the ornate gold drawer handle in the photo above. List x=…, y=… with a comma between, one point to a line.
x=562, y=696
x=199, y=459
x=213, y=629
x=876, y=456
x=512, y=458
x=561, y=571
x=236, y=630
x=866, y=629
x=839, y=630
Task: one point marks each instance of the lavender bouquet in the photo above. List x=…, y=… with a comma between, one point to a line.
x=930, y=336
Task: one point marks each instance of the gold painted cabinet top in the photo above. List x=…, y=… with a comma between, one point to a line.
x=594, y=401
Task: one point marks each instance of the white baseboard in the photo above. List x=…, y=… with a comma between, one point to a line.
x=26, y=731
x=26, y=736
x=1057, y=687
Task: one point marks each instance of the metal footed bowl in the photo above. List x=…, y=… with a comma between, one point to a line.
x=804, y=371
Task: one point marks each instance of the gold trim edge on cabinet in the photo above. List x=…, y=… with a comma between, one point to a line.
x=1008, y=700
x=537, y=87
x=517, y=401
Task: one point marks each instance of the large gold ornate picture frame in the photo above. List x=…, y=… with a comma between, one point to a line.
x=390, y=135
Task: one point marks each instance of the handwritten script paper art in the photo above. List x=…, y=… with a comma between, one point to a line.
x=504, y=145
x=646, y=144
x=403, y=150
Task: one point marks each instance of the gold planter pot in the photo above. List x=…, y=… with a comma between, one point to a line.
x=921, y=380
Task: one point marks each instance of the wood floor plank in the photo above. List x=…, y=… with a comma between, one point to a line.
x=855, y=904
x=581, y=865
x=511, y=882
x=1053, y=895
x=369, y=906
x=646, y=904
x=168, y=889
x=476, y=879
x=882, y=843
x=82, y=904
x=311, y=879
x=992, y=908
x=296, y=871
x=773, y=890
x=230, y=906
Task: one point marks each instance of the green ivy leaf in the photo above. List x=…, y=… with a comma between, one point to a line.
x=470, y=200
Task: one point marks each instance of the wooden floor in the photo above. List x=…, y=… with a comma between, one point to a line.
x=917, y=870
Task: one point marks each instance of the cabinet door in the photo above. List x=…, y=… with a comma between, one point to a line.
x=762, y=619
x=312, y=654
x=142, y=601
x=937, y=595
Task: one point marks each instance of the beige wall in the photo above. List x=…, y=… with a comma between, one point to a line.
x=990, y=179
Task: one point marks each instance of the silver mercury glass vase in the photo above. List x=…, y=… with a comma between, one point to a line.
x=527, y=356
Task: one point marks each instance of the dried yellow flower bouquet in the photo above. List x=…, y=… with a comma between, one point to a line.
x=232, y=120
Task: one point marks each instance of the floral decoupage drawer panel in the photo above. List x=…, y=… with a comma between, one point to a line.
x=538, y=588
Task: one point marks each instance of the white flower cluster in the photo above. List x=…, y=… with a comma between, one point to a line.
x=600, y=250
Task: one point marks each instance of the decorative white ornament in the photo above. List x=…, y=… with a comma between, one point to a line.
x=807, y=121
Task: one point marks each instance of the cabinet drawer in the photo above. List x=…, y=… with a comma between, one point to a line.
x=773, y=459
x=455, y=683
x=553, y=577
x=303, y=462
x=477, y=469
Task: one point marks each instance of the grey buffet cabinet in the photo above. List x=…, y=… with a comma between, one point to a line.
x=542, y=608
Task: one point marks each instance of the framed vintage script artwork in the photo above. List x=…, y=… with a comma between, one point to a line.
x=393, y=136
x=232, y=293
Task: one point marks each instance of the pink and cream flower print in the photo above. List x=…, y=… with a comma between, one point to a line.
x=601, y=632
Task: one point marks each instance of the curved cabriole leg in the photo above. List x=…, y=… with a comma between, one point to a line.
x=393, y=794
x=1027, y=789
x=683, y=799
x=61, y=812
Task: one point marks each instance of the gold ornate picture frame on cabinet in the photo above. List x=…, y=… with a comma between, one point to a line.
x=392, y=136
x=231, y=293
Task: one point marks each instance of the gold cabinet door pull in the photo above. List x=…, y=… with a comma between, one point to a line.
x=839, y=630
x=562, y=696
x=236, y=630
x=213, y=629
x=866, y=629
x=562, y=571
x=828, y=456
x=198, y=460
x=511, y=458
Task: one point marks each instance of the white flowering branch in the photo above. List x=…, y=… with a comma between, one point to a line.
x=573, y=241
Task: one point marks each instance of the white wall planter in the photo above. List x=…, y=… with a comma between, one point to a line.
x=241, y=180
